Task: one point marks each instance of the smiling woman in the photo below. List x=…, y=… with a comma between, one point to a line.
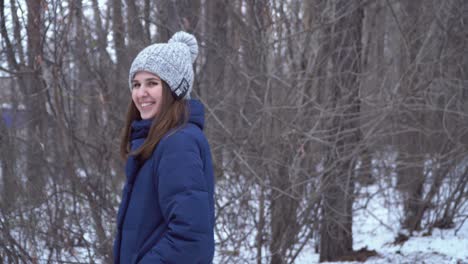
x=147, y=90
x=167, y=209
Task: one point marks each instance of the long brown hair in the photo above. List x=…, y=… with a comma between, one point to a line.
x=173, y=113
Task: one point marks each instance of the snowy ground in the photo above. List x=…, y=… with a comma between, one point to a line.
x=376, y=227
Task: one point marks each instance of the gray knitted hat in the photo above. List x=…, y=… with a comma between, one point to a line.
x=171, y=61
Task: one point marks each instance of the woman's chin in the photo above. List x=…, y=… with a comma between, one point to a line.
x=148, y=115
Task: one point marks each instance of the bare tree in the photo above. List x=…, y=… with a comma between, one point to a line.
x=336, y=238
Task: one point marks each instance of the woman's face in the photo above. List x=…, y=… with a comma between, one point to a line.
x=147, y=93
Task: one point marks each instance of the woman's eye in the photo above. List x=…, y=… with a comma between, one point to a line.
x=153, y=83
x=136, y=85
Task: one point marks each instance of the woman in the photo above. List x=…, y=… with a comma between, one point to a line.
x=167, y=209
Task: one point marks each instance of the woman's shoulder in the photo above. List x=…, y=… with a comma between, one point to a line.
x=186, y=137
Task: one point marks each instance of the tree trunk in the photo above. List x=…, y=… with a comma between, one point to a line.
x=136, y=37
x=169, y=22
x=336, y=233
x=35, y=103
x=421, y=47
x=212, y=88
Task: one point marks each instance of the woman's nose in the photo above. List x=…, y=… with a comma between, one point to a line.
x=142, y=91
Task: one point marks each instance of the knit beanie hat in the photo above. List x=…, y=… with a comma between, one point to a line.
x=171, y=61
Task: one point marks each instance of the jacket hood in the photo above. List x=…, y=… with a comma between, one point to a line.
x=196, y=113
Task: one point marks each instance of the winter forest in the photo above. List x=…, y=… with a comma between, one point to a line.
x=338, y=128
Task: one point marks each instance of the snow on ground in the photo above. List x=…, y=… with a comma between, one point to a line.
x=376, y=226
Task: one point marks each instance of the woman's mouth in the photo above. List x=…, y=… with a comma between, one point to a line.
x=146, y=105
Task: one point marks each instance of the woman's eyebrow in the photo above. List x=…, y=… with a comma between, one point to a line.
x=152, y=79
x=148, y=79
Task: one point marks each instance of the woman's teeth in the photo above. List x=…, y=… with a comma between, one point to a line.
x=146, y=104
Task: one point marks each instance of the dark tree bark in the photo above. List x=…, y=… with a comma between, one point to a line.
x=123, y=62
x=189, y=13
x=147, y=14
x=136, y=35
x=414, y=113
x=168, y=22
x=35, y=92
x=212, y=85
x=118, y=31
x=10, y=184
x=336, y=233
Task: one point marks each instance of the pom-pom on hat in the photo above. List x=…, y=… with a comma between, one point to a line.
x=171, y=61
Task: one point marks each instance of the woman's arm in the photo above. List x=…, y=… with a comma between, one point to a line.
x=184, y=201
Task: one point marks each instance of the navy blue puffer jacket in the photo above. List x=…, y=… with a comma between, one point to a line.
x=167, y=209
